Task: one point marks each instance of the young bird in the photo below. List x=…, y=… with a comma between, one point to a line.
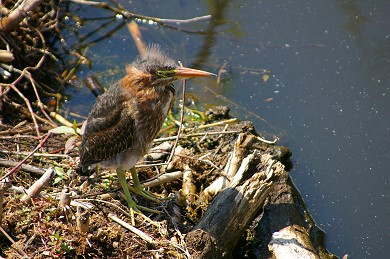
x=124, y=120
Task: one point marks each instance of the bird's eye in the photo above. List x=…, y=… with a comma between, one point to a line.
x=161, y=73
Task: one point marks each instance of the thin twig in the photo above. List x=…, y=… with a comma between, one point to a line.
x=40, y=145
x=136, y=231
x=267, y=141
x=129, y=15
x=181, y=120
x=150, y=165
x=137, y=37
x=73, y=202
x=29, y=108
x=23, y=110
x=40, y=104
x=197, y=134
x=17, y=14
x=218, y=123
x=14, y=246
x=163, y=178
x=220, y=71
x=26, y=168
x=36, y=154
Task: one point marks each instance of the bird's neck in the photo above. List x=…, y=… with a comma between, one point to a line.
x=149, y=98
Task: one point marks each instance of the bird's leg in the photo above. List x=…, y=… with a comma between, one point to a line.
x=134, y=208
x=138, y=189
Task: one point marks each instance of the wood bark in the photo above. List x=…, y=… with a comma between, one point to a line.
x=267, y=201
x=36, y=188
x=11, y=20
x=286, y=228
x=232, y=210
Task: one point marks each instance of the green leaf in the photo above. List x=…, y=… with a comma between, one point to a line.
x=63, y=130
x=74, y=126
x=59, y=171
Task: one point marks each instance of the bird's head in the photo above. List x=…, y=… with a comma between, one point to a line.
x=162, y=70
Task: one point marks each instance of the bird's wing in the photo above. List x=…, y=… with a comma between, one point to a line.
x=110, y=128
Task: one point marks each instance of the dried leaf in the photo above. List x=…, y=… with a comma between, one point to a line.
x=70, y=143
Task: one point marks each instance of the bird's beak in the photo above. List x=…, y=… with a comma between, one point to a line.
x=185, y=73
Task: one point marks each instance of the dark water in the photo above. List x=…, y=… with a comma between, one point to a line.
x=327, y=97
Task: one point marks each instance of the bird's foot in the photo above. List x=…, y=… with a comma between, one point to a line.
x=139, y=190
x=134, y=208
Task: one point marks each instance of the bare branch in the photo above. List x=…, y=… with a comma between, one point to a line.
x=10, y=21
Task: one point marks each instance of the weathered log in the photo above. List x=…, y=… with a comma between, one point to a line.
x=240, y=150
x=232, y=210
x=286, y=229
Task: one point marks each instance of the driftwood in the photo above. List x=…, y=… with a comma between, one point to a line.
x=231, y=212
x=286, y=229
x=266, y=202
x=241, y=149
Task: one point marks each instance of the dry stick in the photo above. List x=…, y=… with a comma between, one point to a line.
x=221, y=70
x=137, y=37
x=198, y=134
x=78, y=202
x=14, y=246
x=181, y=121
x=236, y=161
x=18, y=136
x=129, y=15
x=35, y=154
x=136, y=231
x=61, y=119
x=271, y=142
x=241, y=146
x=6, y=56
x=25, y=73
x=27, y=168
x=36, y=188
x=80, y=61
x=29, y=108
x=4, y=186
x=164, y=178
x=65, y=198
x=26, y=112
x=150, y=165
x=10, y=21
x=188, y=187
x=78, y=115
x=40, y=145
x=228, y=121
x=40, y=104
